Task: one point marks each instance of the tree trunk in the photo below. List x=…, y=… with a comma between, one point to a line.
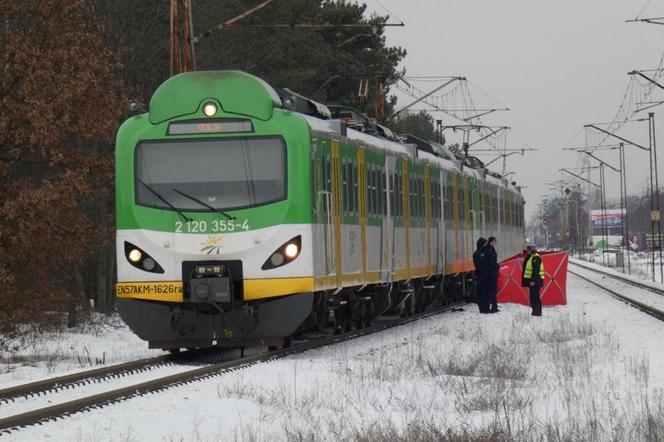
x=101, y=277
x=77, y=298
x=111, y=278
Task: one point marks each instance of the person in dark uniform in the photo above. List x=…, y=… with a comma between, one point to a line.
x=533, y=277
x=481, y=295
x=490, y=269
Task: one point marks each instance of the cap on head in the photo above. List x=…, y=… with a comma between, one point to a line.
x=481, y=242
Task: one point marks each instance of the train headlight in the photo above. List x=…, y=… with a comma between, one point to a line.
x=209, y=109
x=284, y=254
x=141, y=260
x=292, y=250
x=277, y=259
x=135, y=255
x=149, y=264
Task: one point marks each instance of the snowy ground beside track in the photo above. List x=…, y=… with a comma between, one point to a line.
x=39, y=355
x=642, y=295
x=593, y=369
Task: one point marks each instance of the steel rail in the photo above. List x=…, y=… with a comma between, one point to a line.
x=621, y=279
x=53, y=412
x=645, y=308
x=65, y=381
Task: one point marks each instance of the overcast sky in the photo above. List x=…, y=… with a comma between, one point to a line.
x=557, y=64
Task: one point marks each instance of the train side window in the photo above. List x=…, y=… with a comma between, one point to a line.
x=354, y=189
x=315, y=168
x=398, y=194
x=383, y=195
x=423, y=196
x=410, y=196
x=328, y=176
x=391, y=195
x=418, y=196
x=436, y=200
x=446, y=197
x=346, y=188
x=371, y=190
x=379, y=193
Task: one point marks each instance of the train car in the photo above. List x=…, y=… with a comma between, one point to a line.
x=241, y=221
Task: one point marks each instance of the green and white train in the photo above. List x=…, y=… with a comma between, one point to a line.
x=241, y=222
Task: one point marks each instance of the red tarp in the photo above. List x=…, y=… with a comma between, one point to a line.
x=554, y=291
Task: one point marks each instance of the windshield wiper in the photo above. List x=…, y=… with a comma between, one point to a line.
x=163, y=199
x=202, y=203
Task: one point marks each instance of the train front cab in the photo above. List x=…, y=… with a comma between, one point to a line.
x=213, y=223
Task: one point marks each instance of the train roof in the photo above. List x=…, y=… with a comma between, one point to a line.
x=336, y=127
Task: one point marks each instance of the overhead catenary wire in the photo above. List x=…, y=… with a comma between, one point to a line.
x=638, y=16
x=390, y=13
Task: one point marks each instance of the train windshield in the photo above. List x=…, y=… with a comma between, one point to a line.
x=224, y=174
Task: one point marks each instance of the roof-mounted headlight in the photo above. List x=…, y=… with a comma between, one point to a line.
x=210, y=109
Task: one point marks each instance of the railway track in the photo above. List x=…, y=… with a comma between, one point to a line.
x=641, y=285
x=84, y=377
x=644, y=307
x=52, y=412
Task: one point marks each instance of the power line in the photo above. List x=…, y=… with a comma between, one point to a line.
x=388, y=11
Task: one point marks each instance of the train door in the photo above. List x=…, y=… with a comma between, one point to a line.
x=484, y=204
x=467, y=225
x=455, y=217
x=362, y=199
x=323, y=211
x=427, y=217
x=405, y=180
x=336, y=212
x=442, y=225
x=475, y=210
x=388, y=225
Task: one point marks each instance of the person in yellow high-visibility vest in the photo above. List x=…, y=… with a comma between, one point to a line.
x=533, y=278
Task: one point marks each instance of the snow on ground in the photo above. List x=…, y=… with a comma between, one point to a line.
x=591, y=370
x=639, y=266
x=104, y=341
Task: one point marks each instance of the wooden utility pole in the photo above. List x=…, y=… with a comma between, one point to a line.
x=182, y=57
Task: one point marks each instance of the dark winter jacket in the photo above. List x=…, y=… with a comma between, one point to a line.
x=478, y=256
x=489, y=264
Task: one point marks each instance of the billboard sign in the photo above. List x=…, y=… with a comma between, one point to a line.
x=607, y=218
x=607, y=227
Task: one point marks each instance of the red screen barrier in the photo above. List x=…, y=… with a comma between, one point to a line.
x=554, y=291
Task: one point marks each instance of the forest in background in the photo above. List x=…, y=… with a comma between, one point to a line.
x=69, y=68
